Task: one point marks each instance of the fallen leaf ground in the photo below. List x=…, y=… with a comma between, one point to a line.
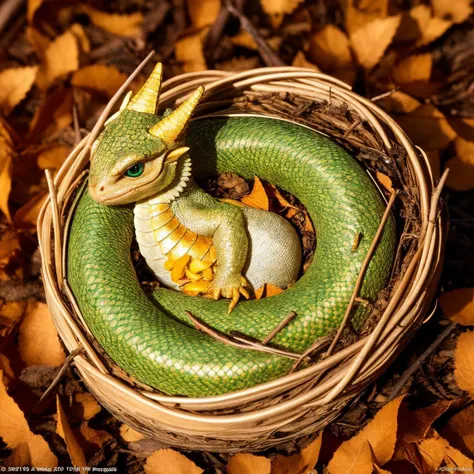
x=60, y=63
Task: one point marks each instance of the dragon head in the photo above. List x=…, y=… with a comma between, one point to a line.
x=137, y=154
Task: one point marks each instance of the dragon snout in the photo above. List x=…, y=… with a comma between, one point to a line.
x=97, y=192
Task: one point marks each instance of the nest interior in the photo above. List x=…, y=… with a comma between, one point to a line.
x=302, y=402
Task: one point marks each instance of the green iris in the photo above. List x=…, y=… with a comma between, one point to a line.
x=135, y=171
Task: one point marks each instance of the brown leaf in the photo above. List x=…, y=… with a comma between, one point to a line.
x=120, y=25
x=5, y=184
x=300, y=463
x=399, y=103
x=380, y=433
x=244, y=39
x=53, y=157
x=19, y=457
x=385, y=181
x=258, y=198
x=99, y=78
x=188, y=50
x=455, y=459
x=244, y=463
x=33, y=6
x=458, y=431
x=76, y=453
x=276, y=9
x=81, y=37
x=431, y=452
x=95, y=437
x=90, y=406
x=27, y=216
x=464, y=127
x=461, y=167
x=61, y=58
x=464, y=362
x=359, y=460
x=14, y=85
x=300, y=61
x=14, y=431
x=413, y=68
x=129, y=434
x=430, y=27
x=329, y=49
x=435, y=163
x=37, y=331
x=458, y=305
x=169, y=461
x=11, y=312
x=7, y=247
x=455, y=11
x=358, y=16
x=39, y=42
x=204, y=12
x=368, y=51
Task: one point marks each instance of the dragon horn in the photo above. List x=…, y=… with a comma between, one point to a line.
x=170, y=127
x=146, y=99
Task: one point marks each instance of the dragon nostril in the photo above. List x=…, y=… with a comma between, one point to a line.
x=101, y=188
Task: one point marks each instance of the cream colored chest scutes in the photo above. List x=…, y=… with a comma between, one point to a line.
x=179, y=258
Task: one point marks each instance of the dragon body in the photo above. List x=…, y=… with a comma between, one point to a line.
x=141, y=183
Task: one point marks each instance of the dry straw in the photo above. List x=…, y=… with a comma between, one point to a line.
x=303, y=401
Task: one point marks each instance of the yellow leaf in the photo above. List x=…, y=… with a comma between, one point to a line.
x=461, y=167
x=120, y=25
x=14, y=85
x=204, y=12
x=5, y=181
x=14, y=431
x=281, y=7
x=300, y=61
x=458, y=305
x=365, y=12
x=90, y=406
x=76, y=453
x=300, y=463
x=329, y=49
x=53, y=157
x=169, y=461
x=431, y=452
x=37, y=331
x=458, y=431
x=99, y=78
x=358, y=461
x=370, y=51
x=129, y=434
x=244, y=463
x=456, y=11
x=464, y=362
x=428, y=128
x=26, y=217
x=258, y=197
x=380, y=434
x=61, y=58
x=413, y=68
x=188, y=50
x=385, y=181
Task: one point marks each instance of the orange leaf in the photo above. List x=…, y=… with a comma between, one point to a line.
x=458, y=305
x=120, y=25
x=380, y=434
x=360, y=460
x=14, y=431
x=11, y=312
x=188, y=51
x=244, y=463
x=129, y=434
x=267, y=290
x=276, y=9
x=458, y=431
x=258, y=197
x=14, y=85
x=461, y=168
x=33, y=6
x=300, y=61
x=385, y=181
x=5, y=184
x=368, y=51
x=90, y=406
x=169, y=461
x=329, y=49
x=95, y=437
x=76, y=453
x=39, y=42
x=456, y=11
x=413, y=68
x=37, y=331
x=27, y=215
x=204, y=12
x=7, y=247
x=431, y=453
x=400, y=103
x=99, y=78
x=53, y=157
x=300, y=463
x=464, y=362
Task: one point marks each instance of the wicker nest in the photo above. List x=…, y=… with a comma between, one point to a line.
x=303, y=401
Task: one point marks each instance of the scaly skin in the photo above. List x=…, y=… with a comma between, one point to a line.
x=153, y=340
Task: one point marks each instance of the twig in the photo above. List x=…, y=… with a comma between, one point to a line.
x=255, y=343
x=320, y=342
x=352, y=127
x=280, y=326
x=385, y=94
x=215, y=32
x=7, y=10
x=56, y=224
x=67, y=363
x=269, y=56
x=419, y=361
x=77, y=127
x=232, y=341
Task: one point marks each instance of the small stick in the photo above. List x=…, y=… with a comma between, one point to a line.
x=7, y=10
x=352, y=127
x=56, y=224
x=280, y=326
x=385, y=94
x=247, y=340
x=321, y=341
x=77, y=127
x=417, y=364
x=67, y=363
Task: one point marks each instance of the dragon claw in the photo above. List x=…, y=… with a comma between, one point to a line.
x=232, y=291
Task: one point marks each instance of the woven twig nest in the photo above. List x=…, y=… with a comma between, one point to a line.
x=306, y=400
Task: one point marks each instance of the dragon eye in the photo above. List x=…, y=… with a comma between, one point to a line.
x=135, y=171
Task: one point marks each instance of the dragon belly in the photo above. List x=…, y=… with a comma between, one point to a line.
x=163, y=240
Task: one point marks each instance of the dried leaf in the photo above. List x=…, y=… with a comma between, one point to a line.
x=188, y=50
x=329, y=49
x=61, y=58
x=300, y=463
x=81, y=37
x=169, y=461
x=90, y=406
x=95, y=437
x=258, y=198
x=458, y=431
x=39, y=42
x=300, y=61
x=129, y=434
x=276, y=9
x=76, y=453
x=360, y=460
x=464, y=127
x=6, y=370
x=431, y=452
x=385, y=181
x=99, y=78
x=14, y=431
x=368, y=51
x=37, y=331
x=19, y=457
x=32, y=7
x=435, y=162
x=458, y=305
x=428, y=128
x=244, y=39
x=53, y=157
x=430, y=27
x=14, y=85
x=244, y=463
x=380, y=433
x=204, y=12
x=461, y=167
x=11, y=312
x=455, y=11
x=464, y=362
x=5, y=181
x=413, y=68
x=120, y=25
x=7, y=247
x=27, y=216
x=357, y=18
x=454, y=460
